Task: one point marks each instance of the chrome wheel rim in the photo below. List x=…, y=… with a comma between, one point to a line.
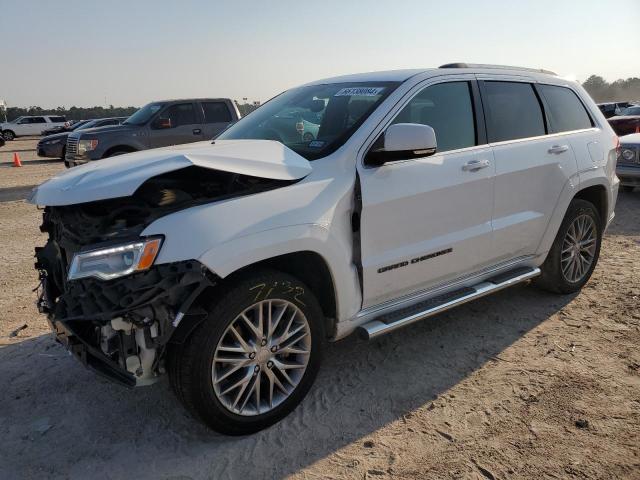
x=578, y=248
x=261, y=357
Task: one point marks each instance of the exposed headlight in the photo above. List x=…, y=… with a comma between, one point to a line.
x=85, y=146
x=116, y=261
x=628, y=154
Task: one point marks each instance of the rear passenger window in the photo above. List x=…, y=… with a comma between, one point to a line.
x=215, y=112
x=565, y=110
x=57, y=119
x=512, y=111
x=38, y=120
x=447, y=108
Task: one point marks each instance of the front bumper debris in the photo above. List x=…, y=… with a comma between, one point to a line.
x=120, y=328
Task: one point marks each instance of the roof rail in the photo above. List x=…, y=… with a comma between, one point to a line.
x=503, y=67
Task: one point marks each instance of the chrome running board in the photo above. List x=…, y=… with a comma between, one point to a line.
x=391, y=321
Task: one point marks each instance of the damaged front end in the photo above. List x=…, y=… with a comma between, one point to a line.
x=105, y=299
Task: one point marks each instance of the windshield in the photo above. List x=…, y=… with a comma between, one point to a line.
x=143, y=115
x=312, y=121
x=631, y=111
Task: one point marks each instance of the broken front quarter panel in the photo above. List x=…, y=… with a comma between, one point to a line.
x=120, y=327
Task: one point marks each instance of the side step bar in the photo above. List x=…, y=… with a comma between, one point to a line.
x=391, y=321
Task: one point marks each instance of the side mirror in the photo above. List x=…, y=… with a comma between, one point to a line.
x=162, y=123
x=403, y=141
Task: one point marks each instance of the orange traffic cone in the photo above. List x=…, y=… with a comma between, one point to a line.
x=16, y=160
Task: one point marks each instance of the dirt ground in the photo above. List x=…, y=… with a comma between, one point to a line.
x=523, y=384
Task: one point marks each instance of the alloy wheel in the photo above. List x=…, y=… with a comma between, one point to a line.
x=578, y=248
x=261, y=357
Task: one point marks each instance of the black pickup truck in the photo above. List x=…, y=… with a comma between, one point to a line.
x=157, y=124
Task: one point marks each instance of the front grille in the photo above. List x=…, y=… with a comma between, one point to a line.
x=72, y=147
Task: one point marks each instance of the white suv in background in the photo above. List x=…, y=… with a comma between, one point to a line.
x=229, y=264
x=30, y=125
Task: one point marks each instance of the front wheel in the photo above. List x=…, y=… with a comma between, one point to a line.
x=254, y=357
x=575, y=250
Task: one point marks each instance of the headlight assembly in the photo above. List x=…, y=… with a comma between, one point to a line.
x=85, y=146
x=628, y=154
x=116, y=261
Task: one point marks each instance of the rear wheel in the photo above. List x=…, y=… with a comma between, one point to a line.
x=8, y=135
x=575, y=250
x=254, y=357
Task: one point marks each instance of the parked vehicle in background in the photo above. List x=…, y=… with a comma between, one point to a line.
x=229, y=264
x=158, y=124
x=610, y=109
x=628, y=121
x=54, y=146
x=66, y=127
x=628, y=168
x=30, y=125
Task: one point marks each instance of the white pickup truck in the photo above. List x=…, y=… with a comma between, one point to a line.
x=229, y=264
x=30, y=125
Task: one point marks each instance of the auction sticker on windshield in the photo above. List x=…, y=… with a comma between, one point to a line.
x=359, y=91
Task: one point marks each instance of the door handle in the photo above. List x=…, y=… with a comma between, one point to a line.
x=556, y=149
x=197, y=131
x=475, y=165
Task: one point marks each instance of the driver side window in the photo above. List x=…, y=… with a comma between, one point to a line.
x=448, y=109
x=180, y=114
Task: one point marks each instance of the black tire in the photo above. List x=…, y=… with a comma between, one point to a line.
x=190, y=363
x=8, y=135
x=552, y=278
x=64, y=153
x=627, y=188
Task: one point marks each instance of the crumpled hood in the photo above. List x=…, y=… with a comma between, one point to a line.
x=122, y=175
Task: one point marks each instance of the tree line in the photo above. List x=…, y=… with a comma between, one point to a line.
x=598, y=88
x=84, y=113
x=617, y=91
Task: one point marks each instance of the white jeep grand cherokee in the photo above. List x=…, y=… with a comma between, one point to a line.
x=229, y=264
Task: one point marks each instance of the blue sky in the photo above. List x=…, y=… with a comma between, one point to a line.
x=72, y=52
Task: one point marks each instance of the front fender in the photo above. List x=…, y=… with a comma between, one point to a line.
x=229, y=257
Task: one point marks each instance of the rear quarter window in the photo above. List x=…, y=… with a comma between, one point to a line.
x=565, y=111
x=58, y=119
x=512, y=111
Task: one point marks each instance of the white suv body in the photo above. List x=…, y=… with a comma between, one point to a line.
x=30, y=125
x=392, y=226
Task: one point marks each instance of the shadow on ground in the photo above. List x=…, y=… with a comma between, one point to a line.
x=627, y=220
x=60, y=420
